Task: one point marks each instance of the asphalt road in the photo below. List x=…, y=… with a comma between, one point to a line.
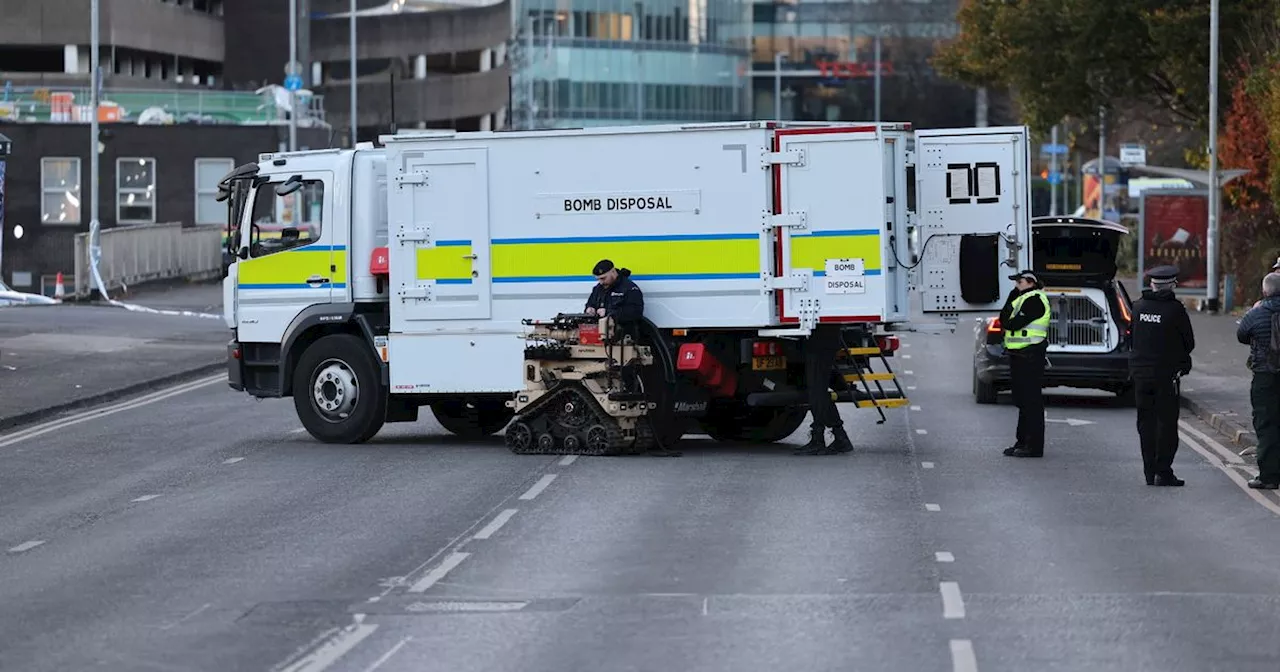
x=201, y=531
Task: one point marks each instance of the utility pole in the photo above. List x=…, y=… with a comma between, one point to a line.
x=1053, y=173
x=528, y=72
x=777, y=85
x=293, y=72
x=95, y=250
x=1211, y=249
x=354, y=95
x=1102, y=161
x=878, y=31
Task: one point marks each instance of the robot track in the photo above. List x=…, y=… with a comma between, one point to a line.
x=568, y=421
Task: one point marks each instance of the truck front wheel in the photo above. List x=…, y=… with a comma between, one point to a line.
x=337, y=392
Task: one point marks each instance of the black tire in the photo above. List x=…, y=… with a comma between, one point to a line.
x=984, y=393
x=668, y=428
x=472, y=418
x=332, y=355
x=753, y=425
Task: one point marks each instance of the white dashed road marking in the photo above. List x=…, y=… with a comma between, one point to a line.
x=908, y=373
x=328, y=654
x=144, y=498
x=911, y=387
x=495, y=524
x=538, y=487
x=387, y=656
x=944, y=556
x=906, y=356
x=932, y=507
x=952, y=601
x=26, y=546
x=915, y=408
x=962, y=658
x=922, y=431
x=568, y=460
x=434, y=576
x=926, y=465
x=232, y=460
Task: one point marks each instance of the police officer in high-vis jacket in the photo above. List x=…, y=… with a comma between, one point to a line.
x=1162, y=345
x=1025, y=321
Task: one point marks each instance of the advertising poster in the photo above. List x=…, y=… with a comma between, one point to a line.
x=1174, y=231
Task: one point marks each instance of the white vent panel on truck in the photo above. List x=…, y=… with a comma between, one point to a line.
x=834, y=217
x=975, y=216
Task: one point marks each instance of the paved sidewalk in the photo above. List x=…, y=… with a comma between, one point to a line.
x=57, y=358
x=1217, y=390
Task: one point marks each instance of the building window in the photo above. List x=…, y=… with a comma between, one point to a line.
x=60, y=186
x=208, y=172
x=136, y=191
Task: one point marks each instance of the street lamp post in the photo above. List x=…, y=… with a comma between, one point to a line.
x=1211, y=248
x=353, y=73
x=777, y=85
x=95, y=250
x=293, y=72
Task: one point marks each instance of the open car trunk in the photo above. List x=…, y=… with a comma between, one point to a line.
x=1074, y=250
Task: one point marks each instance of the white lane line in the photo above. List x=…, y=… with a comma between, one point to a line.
x=26, y=546
x=908, y=373
x=906, y=356
x=298, y=430
x=387, y=656
x=1218, y=448
x=233, y=460
x=944, y=556
x=926, y=465
x=962, y=658
x=568, y=460
x=144, y=498
x=70, y=421
x=495, y=524
x=932, y=507
x=915, y=408
x=538, y=487
x=911, y=387
x=922, y=431
x=952, y=601
x=1234, y=475
x=329, y=652
x=450, y=562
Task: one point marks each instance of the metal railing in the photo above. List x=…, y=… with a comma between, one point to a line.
x=149, y=252
x=58, y=104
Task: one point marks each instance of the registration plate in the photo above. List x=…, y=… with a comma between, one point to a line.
x=768, y=363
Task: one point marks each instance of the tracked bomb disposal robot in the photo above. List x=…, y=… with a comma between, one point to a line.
x=584, y=390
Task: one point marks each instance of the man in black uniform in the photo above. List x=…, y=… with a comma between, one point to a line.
x=819, y=361
x=1025, y=322
x=615, y=295
x=1162, y=345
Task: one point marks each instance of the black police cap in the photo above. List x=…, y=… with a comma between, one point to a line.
x=1163, y=273
x=1025, y=273
x=603, y=266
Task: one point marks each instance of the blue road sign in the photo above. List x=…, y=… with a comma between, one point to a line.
x=1050, y=149
x=1055, y=178
x=293, y=82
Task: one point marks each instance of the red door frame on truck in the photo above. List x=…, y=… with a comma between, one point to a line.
x=780, y=295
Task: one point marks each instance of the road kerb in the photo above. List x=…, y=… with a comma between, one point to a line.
x=1229, y=428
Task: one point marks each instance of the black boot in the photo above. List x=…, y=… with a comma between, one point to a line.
x=841, y=442
x=1167, y=479
x=816, y=445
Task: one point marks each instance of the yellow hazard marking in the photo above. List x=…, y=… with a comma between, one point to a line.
x=862, y=351
x=883, y=403
x=853, y=377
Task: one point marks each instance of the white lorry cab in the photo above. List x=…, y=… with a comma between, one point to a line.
x=369, y=282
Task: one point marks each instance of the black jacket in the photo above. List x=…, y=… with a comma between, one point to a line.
x=1255, y=332
x=1030, y=312
x=1162, y=336
x=624, y=301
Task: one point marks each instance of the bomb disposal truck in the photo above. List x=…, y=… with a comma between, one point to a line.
x=397, y=277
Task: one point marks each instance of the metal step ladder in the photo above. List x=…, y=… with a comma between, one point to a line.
x=854, y=366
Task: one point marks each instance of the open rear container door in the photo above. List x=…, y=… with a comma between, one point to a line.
x=829, y=205
x=975, y=230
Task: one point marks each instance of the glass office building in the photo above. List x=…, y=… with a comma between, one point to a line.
x=618, y=62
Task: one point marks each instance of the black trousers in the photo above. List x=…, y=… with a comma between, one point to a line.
x=1026, y=371
x=1264, y=393
x=1157, y=402
x=819, y=360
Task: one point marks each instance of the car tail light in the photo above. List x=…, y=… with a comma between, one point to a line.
x=993, y=327
x=765, y=349
x=1124, y=312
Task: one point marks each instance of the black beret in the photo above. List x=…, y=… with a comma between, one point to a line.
x=603, y=266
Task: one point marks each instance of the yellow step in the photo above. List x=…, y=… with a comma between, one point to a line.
x=862, y=351
x=883, y=403
x=853, y=377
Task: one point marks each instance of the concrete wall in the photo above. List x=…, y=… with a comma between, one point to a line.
x=443, y=98
x=140, y=24
x=409, y=34
x=48, y=248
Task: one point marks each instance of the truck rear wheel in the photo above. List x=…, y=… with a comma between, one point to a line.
x=337, y=391
x=754, y=425
x=472, y=418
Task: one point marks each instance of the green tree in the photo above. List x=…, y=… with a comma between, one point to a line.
x=1068, y=58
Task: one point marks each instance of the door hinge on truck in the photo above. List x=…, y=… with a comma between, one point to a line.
x=794, y=157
